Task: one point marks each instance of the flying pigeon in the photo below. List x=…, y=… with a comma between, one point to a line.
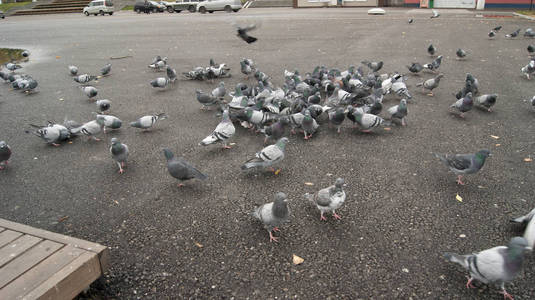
x=461, y=53
x=431, y=84
x=242, y=33
x=89, y=91
x=147, y=122
x=273, y=214
x=513, y=34
x=105, y=71
x=119, y=153
x=399, y=111
x=160, y=82
x=435, y=14
x=464, y=104
x=374, y=66
x=109, y=121
x=495, y=265
x=329, y=199
x=268, y=156
x=12, y=67
x=529, y=232
x=5, y=154
x=431, y=50
x=180, y=169
x=84, y=78
x=461, y=164
x=487, y=101
x=73, y=70
x=171, y=74
x=103, y=105
x=223, y=131
x=415, y=68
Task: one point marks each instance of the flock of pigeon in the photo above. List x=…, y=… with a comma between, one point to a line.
x=303, y=103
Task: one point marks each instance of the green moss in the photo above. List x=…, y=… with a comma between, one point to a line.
x=526, y=12
x=128, y=7
x=7, y=55
x=6, y=6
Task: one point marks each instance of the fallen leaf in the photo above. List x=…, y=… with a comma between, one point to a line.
x=309, y=183
x=63, y=218
x=277, y=172
x=527, y=159
x=459, y=198
x=198, y=245
x=462, y=235
x=297, y=260
x=387, y=128
x=58, y=57
x=495, y=137
x=70, y=142
x=405, y=270
x=481, y=187
x=232, y=144
x=498, y=145
x=116, y=202
x=61, y=99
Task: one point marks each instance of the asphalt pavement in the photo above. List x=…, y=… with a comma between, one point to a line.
x=199, y=242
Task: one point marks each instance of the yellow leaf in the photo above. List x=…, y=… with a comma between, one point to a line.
x=277, y=172
x=309, y=183
x=198, y=245
x=498, y=145
x=387, y=128
x=527, y=159
x=495, y=137
x=58, y=57
x=297, y=260
x=459, y=198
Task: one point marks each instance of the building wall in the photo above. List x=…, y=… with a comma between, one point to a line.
x=325, y=3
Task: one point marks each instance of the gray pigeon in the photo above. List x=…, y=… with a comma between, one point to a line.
x=223, y=131
x=73, y=70
x=461, y=164
x=435, y=14
x=268, y=156
x=528, y=69
x=90, y=129
x=415, y=68
x=5, y=154
x=496, y=265
x=105, y=71
x=431, y=84
x=374, y=66
x=492, y=34
x=52, y=134
x=434, y=65
x=329, y=199
x=487, y=101
x=529, y=232
x=103, y=105
x=12, y=67
x=309, y=125
x=180, y=169
x=160, y=82
x=159, y=65
x=273, y=214
x=109, y=121
x=119, y=153
x=219, y=92
x=366, y=121
x=337, y=117
x=205, y=99
x=399, y=111
x=84, y=78
x=464, y=104
x=89, y=91
x=29, y=85
x=147, y=122
x=246, y=69
x=513, y=34
x=276, y=130
x=431, y=50
x=461, y=53
x=171, y=73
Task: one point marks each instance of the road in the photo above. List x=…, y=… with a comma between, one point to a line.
x=198, y=242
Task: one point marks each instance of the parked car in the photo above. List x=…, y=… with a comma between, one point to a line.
x=146, y=7
x=2, y=15
x=178, y=6
x=160, y=7
x=101, y=7
x=213, y=5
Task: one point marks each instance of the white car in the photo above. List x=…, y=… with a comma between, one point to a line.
x=96, y=7
x=213, y=5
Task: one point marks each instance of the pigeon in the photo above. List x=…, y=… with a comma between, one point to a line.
x=497, y=28
x=487, y=101
x=103, y=105
x=337, y=117
x=84, y=78
x=531, y=49
x=220, y=91
x=431, y=50
x=471, y=85
x=411, y=20
x=160, y=82
x=495, y=265
x=12, y=67
x=329, y=199
x=273, y=214
x=431, y=84
x=171, y=74
x=105, y=71
x=119, y=153
x=111, y=122
x=464, y=104
x=156, y=59
x=309, y=125
x=528, y=69
x=513, y=34
x=246, y=69
x=25, y=53
x=89, y=91
x=276, y=130
x=73, y=70
x=29, y=85
x=205, y=99
x=159, y=65
x=5, y=154
x=297, y=119
x=374, y=66
x=268, y=156
x=434, y=65
x=435, y=14
x=529, y=232
x=52, y=134
x=223, y=131
x=242, y=33
x=90, y=129
x=367, y=121
x=399, y=111
x=180, y=169
x=461, y=53
x=254, y=117
x=147, y=122
x=492, y=34
x=415, y=68
x=529, y=33
x=4, y=76
x=461, y=164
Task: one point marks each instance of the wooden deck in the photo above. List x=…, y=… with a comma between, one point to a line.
x=39, y=264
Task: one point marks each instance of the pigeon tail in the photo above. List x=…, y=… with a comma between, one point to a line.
x=161, y=116
x=441, y=157
x=456, y=258
x=209, y=140
x=252, y=163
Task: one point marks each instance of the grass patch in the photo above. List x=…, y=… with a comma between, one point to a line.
x=6, y=6
x=128, y=7
x=7, y=55
x=527, y=12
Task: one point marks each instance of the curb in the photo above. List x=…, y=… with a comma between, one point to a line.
x=524, y=16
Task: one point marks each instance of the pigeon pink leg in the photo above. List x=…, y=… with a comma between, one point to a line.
x=272, y=238
x=506, y=295
x=336, y=216
x=459, y=179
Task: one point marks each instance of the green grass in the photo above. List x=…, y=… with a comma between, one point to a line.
x=527, y=12
x=7, y=55
x=128, y=7
x=6, y=6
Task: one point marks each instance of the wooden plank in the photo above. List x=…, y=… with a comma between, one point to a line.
x=34, y=277
x=56, y=237
x=70, y=281
x=7, y=236
x=26, y=261
x=17, y=247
